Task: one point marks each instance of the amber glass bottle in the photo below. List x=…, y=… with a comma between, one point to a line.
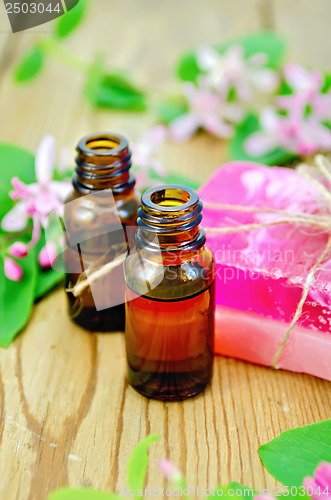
x=170, y=301
x=100, y=220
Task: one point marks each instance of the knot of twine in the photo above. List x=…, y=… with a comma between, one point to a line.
x=323, y=167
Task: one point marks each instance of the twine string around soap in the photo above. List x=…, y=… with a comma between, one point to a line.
x=323, y=166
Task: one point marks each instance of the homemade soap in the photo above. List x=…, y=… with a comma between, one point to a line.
x=260, y=273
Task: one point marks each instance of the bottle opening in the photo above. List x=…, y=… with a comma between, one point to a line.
x=103, y=162
x=170, y=197
x=173, y=212
x=102, y=143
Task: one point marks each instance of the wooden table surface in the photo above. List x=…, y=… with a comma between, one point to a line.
x=68, y=416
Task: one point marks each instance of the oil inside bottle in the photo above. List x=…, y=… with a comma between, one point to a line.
x=169, y=344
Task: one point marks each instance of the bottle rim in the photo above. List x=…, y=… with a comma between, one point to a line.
x=103, y=161
x=175, y=192
x=173, y=213
x=84, y=145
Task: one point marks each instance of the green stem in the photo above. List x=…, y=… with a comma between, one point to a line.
x=7, y=238
x=52, y=47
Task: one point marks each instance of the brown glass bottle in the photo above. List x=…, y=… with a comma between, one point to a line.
x=100, y=219
x=170, y=302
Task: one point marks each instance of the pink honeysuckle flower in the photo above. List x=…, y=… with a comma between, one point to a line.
x=35, y=201
x=319, y=487
x=143, y=150
x=12, y=270
x=143, y=158
x=321, y=107
x=169, y=470
x=300, y=79
x=64, y=164
x=207, y=110
x=145, y=181
x=231, y=70
x=264, y=497
x=18, y=250
x=303, y=135
x=307, y=86
x=302, y=129
x=48, y=254
x=266, y=139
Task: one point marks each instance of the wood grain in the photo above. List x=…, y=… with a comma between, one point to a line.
x=68, y=416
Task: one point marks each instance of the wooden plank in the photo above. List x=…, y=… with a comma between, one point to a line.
x=69, y=416
x=305, y=27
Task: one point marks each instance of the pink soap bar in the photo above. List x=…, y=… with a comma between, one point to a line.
x=262, y=272
x=252, y=337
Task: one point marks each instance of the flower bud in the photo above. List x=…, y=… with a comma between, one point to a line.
x=18, y=250
x=47, y=255
x=169, y=470
x=12, y=270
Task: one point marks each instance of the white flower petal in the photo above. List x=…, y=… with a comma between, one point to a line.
x=45, y=158
x=319, y=134
x=298, y=77
x=233, y=112
x=235, y=54
x=61, y=189
x=158, y=168
x=264, y=80
x=183, y=127
x=216, y=126
x=152, y=139
x=243, y=89
x=64, y=164
x=258, y=59
x=259, y=143
x=191, y=93
x=36, y=231
x=207, y=58
x=16, y=219
x=269, y=119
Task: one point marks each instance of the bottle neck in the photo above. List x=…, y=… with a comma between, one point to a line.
x=169, y=218
x=103, y=162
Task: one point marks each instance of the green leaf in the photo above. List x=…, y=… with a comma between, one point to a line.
x=188, y=69
x=81, y=494
x=292, y=492
x=65, y=24
x=138, y=462
x=14, y=161
x=170, y=110
x=113, y=90
x=16, y=299
x=295, y=454
x=234, y=490
x=327, y=82
x=173, y=178
x=29, y=65
x=63, y=176
x=245, y=491
x=237, y=151
x=268, y=42
x=46, y=280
